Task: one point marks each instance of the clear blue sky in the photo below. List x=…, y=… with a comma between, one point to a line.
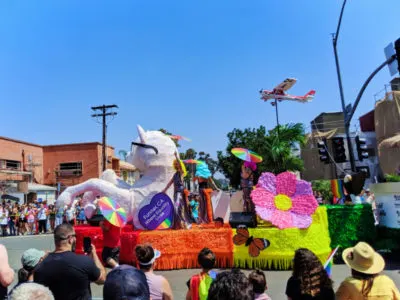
x=192, y=67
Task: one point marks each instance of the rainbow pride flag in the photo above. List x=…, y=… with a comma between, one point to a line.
x=337, y=190
x=329, y=262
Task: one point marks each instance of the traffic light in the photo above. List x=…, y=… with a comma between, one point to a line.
x=339, y=152
x=397, y=48
x=361, y=148
x=323, y=151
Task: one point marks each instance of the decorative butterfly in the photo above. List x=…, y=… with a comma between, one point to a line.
x=255, y=245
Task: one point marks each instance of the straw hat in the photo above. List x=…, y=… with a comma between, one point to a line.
x=364, y=259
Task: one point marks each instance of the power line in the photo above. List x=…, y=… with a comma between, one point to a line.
x=104, y=114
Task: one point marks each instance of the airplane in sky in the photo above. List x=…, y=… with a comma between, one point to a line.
x=279, y=93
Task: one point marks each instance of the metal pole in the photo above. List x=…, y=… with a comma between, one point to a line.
x=350, y=116
x=340, y=21
x=104, y=115
x=104, y=140
x=347, y=129
x=277, y=116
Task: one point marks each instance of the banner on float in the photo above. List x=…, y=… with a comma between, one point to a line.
x=158, y=214
x=387, y=200
x=221, y=205
x=388, y=207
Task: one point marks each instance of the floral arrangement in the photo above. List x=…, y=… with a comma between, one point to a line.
x=284, y=201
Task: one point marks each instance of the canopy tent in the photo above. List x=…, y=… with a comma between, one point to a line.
x=9, y=197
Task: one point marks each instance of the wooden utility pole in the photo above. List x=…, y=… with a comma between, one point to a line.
x=104, y=114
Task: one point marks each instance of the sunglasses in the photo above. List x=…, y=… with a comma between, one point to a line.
x=68, y=236
x=145, y=146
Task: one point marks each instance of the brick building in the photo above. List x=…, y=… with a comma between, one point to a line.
x=53, y=165
x=71, y=164
x=19, y=159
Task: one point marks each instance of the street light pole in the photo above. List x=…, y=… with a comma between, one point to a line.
x=277, y=115
x=345, y=123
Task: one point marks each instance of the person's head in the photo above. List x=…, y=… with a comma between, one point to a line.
x=367, y=192
x=308, y=269
x=206, y=259
x=146, y=256
x=126, y=283
x=365, y=264
x=257, y=279
x=176, y=165
x=219, y=222
x=65, y=237
x=231, y=285
x=31, y=291
x=29, y=260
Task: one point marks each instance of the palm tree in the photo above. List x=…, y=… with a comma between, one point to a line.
x=280, y=144
x=275, y=146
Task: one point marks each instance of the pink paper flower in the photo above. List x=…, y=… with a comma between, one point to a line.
x=284, y=201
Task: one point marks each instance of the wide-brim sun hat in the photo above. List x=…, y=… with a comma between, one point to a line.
x=364, y=259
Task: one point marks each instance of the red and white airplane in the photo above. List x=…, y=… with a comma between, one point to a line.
x=279, y=94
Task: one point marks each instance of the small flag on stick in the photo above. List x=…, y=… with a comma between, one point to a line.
x=329, y=262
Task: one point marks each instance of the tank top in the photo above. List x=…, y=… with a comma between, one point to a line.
x=178, y=184
x=155, y=285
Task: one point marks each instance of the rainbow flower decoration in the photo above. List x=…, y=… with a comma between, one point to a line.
x=284, y=201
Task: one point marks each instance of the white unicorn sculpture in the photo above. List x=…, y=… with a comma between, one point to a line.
x=153, y=154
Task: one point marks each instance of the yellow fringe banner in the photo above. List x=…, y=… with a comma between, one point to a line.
x=284, y=243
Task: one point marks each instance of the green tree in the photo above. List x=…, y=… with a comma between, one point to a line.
x=324, y=187
x=191, y=168
x=275, y=147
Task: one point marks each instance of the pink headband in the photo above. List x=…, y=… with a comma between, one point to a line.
x=251, y=165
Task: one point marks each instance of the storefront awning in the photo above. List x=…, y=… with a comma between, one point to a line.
x=9, y=197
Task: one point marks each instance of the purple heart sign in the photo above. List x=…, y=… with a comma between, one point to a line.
x=159, y=214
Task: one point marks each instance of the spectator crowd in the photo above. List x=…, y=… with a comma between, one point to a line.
x=37, y=217
x=65, y=275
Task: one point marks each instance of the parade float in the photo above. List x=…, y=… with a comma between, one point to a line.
x=288, y=216
x=387, y=197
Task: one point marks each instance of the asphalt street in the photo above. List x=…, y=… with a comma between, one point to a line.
x=276, y=279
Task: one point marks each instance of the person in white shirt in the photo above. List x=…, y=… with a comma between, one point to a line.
x=70, y=215
x=370, y=198
x=42, y=217
x=3, y=219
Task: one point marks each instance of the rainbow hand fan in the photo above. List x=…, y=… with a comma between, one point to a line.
x=178, y=137
x=246, y=155
x=112, y=212
x=193, y=161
